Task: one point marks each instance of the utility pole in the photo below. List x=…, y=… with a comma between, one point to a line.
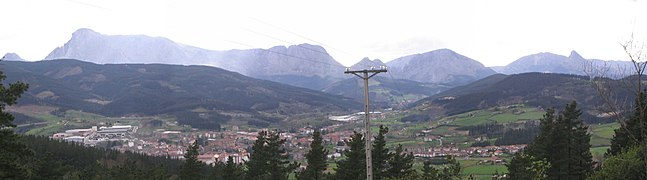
x=367, y=134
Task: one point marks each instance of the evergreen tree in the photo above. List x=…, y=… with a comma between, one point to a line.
x=429, y=172
x=524, y=166
x=400, y=163
x=354, y=166
x=47, y=167
x=257, y=164
x=231, y=170
x=580, y=160
x=192, y=167
x=12, y=152
x=269, y=160
x=630, y=133
x=563, y=143
x=316, y=158
x=540, y=146
x=380, y=154
x=453, y=169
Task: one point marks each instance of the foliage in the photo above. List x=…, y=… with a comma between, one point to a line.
x=269, y=159
x=12, y=151
x=400, y=164
x=354, y=163
x=232, y=170
x=316, y=158
x=192, y=167
x=429, y=172
x=523, y=135
x=525, y=166
x=563, y=142
x=631, y=132
x=489, y=130
x=380, y=154
x=627, y=164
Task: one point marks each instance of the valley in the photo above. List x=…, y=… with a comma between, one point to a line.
x=475, y=137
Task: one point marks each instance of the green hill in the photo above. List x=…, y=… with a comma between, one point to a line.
x=533, y=89
x=151, y=89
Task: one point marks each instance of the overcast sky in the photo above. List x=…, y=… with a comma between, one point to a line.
x=492, y=32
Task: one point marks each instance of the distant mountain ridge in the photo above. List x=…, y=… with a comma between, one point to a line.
x=304, y=60
x=573, y=64
x=442, y=66
x=11, y=57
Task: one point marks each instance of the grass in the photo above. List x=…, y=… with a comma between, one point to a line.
x=599, y=151
x=601, y=134
x=504, y=116
x=484, y=169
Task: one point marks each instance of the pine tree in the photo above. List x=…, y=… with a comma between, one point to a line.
x=257, y=164
x=354, y=166
x=400, y=163
x=429, y=172
x=563, y=143
x=269, y=160
x=539, y=147
x=231, y=170
x=380, y=154
x=192, y=167
x=12, y=152
x=580, y=161
x=630, y=134
x=316, y=158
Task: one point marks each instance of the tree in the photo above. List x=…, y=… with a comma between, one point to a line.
x=269, y=160
x=400, y=163
x=353, y=166
x=633, y=129
x=563, y=142
x=524, y=166
x=12, y=151
x=626, y=164
x=380, y=154
x=316, y=158
x=192, y=167
x=232, y=170
x=429, y=172
x=453, y=169
x=630, y=134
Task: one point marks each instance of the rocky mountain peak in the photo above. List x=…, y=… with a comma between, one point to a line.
x=575, y=55
x=11, y=57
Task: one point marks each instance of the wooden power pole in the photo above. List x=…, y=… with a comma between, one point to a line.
x=364, y=74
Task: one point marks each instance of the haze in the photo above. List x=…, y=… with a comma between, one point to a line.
x=492, y=32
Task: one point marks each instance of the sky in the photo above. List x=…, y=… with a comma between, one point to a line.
x=494, y=33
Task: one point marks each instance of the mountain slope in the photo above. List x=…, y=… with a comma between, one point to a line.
x=384, y=91
x=125, y=89
x=535, y=89
x=275, y=63
x=440, y=66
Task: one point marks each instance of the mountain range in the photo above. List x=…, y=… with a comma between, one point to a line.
x=573, y=64
x=151, y=89
x=311, y=66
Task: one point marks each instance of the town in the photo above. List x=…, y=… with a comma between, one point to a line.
x=217, y=146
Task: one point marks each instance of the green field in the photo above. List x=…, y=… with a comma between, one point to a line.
x=492, y=115
x=601, y=134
